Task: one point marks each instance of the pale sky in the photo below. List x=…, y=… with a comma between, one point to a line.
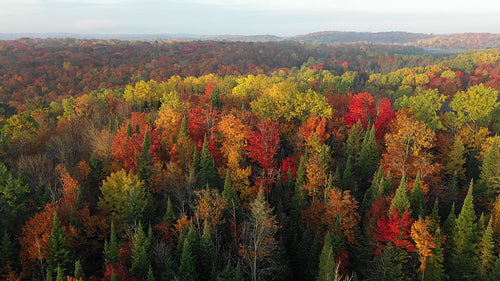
x=247, y=17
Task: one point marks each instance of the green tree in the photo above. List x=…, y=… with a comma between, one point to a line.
x=400, y=202
x=208, y=172
x=368, y=159
x=326, y=271
x=150, y=276
x=435, y=268
x=417, y=198
x=495, y=271
x=112, y=247
x=489, y=178
x=6, y=250
x=486, y=254
x=474, y=107
x=187, y=267
x=13, y=199
x=207, y=269
x=463, y=258
x=59, y=252
x=144, y=159
x=140, y=253
x=78, y=274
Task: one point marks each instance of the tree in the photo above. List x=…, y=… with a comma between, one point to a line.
x=187, y=267
x=120, y=192
x=486, y=255
x=59, y=252
x=361, y=108
x=417, y=199
x=144, y=159
x=400, y=202
x=259, y=246
x=435, y=269
x=13, y=199
x=394, y=228
x=424, y=242
x=208, y=172
x=408, y=147
x=368, y=159
x=6, y=250
x=326, y=271
x=140, y=252
x=474, y=107
x=316, y=172
x=489, y=178
x=112, y=247
x=78, y=274
x=463, y=242
x=207, y=266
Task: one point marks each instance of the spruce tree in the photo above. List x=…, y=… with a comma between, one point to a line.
x=368, y=159
x=299, y=197
x=238, y=274
x=140, y=253
x=144, y=159
x=347, y=179
x=495, y=271
x=78, y=274
x=228, y=193
x=206, y=269
x=6, y=250
x=489, y=185
x=486, y=253
x=326, y=270
x=463, y=260
x=208, y=172
x=59, y=252
x=169, y=214
x=417, y=199
x=129, y=129
x=150, y=276
x=111, y=248
x=60, y=274
x=227, y=274
x=435, y=263
x=400, y=202
x=187, y=267
x=451, y=221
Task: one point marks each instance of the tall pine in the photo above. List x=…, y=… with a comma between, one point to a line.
x=208, y=172
x=486, y=252
x=59, y=252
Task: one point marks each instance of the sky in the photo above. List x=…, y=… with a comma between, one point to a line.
x=247, y=17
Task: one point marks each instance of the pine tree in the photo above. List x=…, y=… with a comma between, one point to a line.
x=400, y=202
x=208, y=172
x=463, y=242
x=368, y=159
x=227, y=274
x=112, y=247
x=451, y=221
x=60, y=274
x=169, y=214
x=196, y=162
x=59, y=252
x=417, y=198
x=6, y=250
x=347, y=180
x=238, y=274
x=389, y=265
x=299, y=197
x=489, y=178
x=140, y=253
x=228, y=193
x=495, y=271
x=150, y=276
x=486, y=254
x=129, y=129
x=206, y=269
x=435, y=269
x=78, y=274
x=326, y=271
x=187, y=267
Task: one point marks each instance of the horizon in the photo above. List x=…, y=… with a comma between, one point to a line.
x=245, y=18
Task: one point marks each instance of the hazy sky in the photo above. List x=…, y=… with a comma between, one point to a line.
x=248, y=17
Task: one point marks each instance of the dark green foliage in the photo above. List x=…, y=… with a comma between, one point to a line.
x=347, y=182
x=495, y=271
x=6, y=250
x=144, y=159
x=208, y=172
x=78, y=270
x=400, y=202
x=207, y=267
x=59, y=252
x=187, y=267
x=169, y=214
x=368, y=159
x=112, y=247
x=228, y=193
x=13, y=199
x=141, y=253
x=299, y=197
x=463, y=259
x=435, y=263
x=486, y=254
x=151, y=276
x=227, y=274
x=327, y=266
x=60, y=274
x=489, y=185
x=389, y=265
x=417, y=199
x=129, y=129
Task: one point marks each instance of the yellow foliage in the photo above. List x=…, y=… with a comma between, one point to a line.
x=423, y=241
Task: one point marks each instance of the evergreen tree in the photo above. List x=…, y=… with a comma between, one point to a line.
x=7, y=250
x=238, y=274
x=129, y=129
x=299, y=197
x=495, y=271
x=169, y=214
x=59, y=252
x=187, y=267
x=140, y=253
x=451, y=220
x=400, y=202
x=150, y=276
x=347, y=180
x=78, y=274
x=206, y=269
x=435, y=268
x=169, y=271
x=435, y=212
x=489, y=183
x=417, y=198
x=463, y=260
x=228, y=193
x=227, y=274
x=486, y=252
x=111, y=248
x=353, y=143
x=208, y=172
x=368, y=159
x=326, y=271
x=389, y=265
x=60, y=274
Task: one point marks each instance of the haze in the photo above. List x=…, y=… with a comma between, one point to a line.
x=277, y=17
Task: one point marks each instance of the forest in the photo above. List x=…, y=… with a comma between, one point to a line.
x=208, y=160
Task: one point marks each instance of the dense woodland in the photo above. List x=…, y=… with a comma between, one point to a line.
x=222, y=161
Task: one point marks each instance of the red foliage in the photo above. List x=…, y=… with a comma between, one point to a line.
x=384, y=116
x=119, y=270
x=395, y=229
x=361, y=108
x=288, y=170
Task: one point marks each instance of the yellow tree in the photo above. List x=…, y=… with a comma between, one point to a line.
x=408, y=147
x=423, y=241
